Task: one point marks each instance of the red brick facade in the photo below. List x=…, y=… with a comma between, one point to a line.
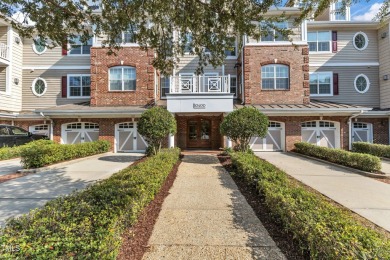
x=296, y=57
x=101, y=62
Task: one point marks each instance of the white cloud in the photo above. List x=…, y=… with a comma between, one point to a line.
x=370, y=14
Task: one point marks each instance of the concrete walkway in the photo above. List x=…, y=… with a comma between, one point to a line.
x=365, y=196
x=206, y=217
x=20, y=195
x=10, y=166
x=385, y=166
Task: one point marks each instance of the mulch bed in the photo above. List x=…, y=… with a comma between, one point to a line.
x=12, y=176
x=135, y=239
x=283, y=240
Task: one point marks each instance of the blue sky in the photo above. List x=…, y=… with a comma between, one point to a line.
x=365, y=11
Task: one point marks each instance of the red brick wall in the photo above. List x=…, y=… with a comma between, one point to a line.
x=128, y=56
x=181, y=136
x=380, y=129
x=296, y=57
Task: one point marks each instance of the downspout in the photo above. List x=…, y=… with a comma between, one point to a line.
x=242, y=72
x=51, y=136
x=350, y=128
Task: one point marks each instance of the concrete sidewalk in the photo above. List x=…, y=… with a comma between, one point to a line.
x=206, y=217
x=10, y=166
x=365, y=196
x=20, y=195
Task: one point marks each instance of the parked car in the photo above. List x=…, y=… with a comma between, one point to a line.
x=13, y=135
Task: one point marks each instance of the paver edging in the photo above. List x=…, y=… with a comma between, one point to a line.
x=60, y=164
x=364, y=173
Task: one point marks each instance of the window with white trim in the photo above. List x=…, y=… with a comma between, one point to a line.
x=362, y=83
x=188, y=45
x=319, y=41
x=39, y=46
x=39, y=87
x=339, y=11
x=275, y=77
x=165, y=84
x=231, y=47
x=122, y=78
x=360, y=41
x=321, y=84
x=233, y=85
x=128, y=36
x=77, y=47
x=272, y=34
x=79, y=86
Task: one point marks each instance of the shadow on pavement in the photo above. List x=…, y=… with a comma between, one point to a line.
x=120, y=158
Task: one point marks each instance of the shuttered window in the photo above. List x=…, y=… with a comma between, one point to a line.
x=319, y=41
x=321, y=84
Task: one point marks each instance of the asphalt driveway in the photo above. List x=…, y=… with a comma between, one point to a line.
x=20, y=195
x=363, y=195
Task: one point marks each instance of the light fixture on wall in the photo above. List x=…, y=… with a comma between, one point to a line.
x=237, y=65
x=16, y=81
x=385, y=77
x=384, y=35
x=17, y=40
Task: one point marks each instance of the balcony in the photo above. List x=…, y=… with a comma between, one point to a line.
x=200, y=94
x=4, y=53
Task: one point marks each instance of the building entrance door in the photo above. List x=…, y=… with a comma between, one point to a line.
x=199, y=133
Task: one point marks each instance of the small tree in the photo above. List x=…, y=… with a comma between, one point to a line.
x=243, y=124
x=155, y=125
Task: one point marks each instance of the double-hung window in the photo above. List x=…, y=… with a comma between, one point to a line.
x=321, y=84
x=231, y=47
x=188, y=43
x=77, y=47
x=164, y=84
x=319, y=41
x=128, y=36
x=79, y=86
x=339, y=11
x=275, y=77
x=122, y=78
x=272, y=35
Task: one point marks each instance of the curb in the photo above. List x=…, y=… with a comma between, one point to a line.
x=364, y=173
x=60, y=164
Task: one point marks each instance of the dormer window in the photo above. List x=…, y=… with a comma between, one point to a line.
x=77, y=47
x=273, y=35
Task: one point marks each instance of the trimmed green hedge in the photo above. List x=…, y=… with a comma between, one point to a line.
x=89, y=224
x=379, y=150
x=360, y=161
x=9, y=152
x=14, y=152
x=41, y=153
x=326, y=230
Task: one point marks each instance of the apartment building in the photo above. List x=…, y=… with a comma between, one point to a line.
x=327, y=85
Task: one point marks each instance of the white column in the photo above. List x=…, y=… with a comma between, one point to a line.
x=171, y=141
x=228, y=143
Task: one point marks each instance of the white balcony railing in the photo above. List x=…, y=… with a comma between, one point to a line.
x=3, y=51
x=200, y=84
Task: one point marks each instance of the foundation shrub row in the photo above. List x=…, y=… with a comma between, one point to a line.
x=88, y=224
x=44, y=152
x=379, y=150
x=9, y=152
x=359, y=161
x=326, y=230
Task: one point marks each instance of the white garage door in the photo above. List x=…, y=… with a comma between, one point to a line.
x=362, y=132
x=128, y=139
x=321, y=133
x=39, y=129
x=273, y=141
x=74, y=133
